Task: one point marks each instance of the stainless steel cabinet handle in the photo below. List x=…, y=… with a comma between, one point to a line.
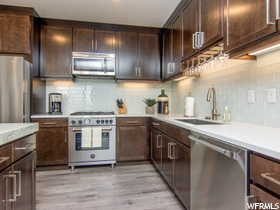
x=14, y=178
x=223, y=151
x=201, y=39
x=140, y=71
x=197, y=45
x=21, y=148
x=172, y=151
x=268, y=21
x=48, y=123
x=193, y=41
x=155, y=124
x=3, y=159
x=277, y=9
x=132, y=122
x=159, y=138
x=136, y=71
x=19, y=191
x=268, y=176
x=168, y=151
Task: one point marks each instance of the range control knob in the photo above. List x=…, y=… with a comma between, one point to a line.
x=97, y=121
x=111, y=121
x=102, y=121
x=80, y=121
x=73, y=122
x=106, y=121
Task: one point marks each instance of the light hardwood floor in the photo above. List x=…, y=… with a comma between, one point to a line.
x=102, y=188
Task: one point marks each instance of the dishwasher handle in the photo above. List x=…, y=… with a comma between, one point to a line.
x=221, y=150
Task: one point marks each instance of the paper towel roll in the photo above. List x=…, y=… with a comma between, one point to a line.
x=189, y=106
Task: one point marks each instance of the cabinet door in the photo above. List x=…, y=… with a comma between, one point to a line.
x=15, y=34
x=6, y=189
x=128, y=55
x=156, y=148
x=56, y=51
x=250, y=23
x=167, y=161
x=182, y=174
x=52, y=146
x=83, y=40
x=211, y=21
x=25, y=171
x=149, y=56
x=177, y=39
x=190, y=26
x=132, y=143
x=167, y=53
x=105, y=41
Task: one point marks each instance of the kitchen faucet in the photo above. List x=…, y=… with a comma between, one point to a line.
x=211, y=94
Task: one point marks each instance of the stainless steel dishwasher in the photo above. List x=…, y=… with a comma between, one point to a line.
x=218, y=175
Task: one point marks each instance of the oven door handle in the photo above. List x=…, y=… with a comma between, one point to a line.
x=75, y=130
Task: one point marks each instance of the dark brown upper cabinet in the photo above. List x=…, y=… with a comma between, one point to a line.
x=15, y=34
x=248, y=21
x=105, y=41
x=56, y=51
x=90, y=40
x=149, y=56
x=138, y=56
x=83, y=40
x=167, y=53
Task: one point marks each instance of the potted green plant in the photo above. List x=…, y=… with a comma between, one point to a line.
x=150, y=102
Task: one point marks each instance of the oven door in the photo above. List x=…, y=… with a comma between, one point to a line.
x=97, y=64
x=107, y=151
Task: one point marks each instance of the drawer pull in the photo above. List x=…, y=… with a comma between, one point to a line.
x=268, y=176
x=13, y=177
x=3, y=159
x=19, y=191
x=155, y=124
x=48, y=123
x=132, y=122
x=21, y=148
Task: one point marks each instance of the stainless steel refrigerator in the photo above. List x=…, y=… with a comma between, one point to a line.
x=14, y=89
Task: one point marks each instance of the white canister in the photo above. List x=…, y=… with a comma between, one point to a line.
x=189, y=106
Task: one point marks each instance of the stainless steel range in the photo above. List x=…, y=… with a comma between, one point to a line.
x=92, y=138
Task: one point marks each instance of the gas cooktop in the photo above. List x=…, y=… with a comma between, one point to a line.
x=92, y=113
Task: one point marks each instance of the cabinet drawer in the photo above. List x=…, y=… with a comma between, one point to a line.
x=130, y=121
x=261, y=196
x=266, y=173
x=24, y=146
x=179, y=134
x=5, y=156
x=50, y=123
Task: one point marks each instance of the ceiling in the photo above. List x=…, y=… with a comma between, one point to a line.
x=128, y=12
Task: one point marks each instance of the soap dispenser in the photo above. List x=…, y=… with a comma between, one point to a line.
x=227, y=115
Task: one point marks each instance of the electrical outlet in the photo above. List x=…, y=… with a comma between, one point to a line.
x=251, y=96
x=271, y=95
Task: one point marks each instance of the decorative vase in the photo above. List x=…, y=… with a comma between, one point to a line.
x=150, y=109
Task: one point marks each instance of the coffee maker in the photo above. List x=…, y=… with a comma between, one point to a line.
x=55, y=103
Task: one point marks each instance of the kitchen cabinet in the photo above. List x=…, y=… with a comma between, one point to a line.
x=17, y=181
x=253, y=21
x=56, y=51
x=132, y=139
x=52, y=142
x=15, y=34
x=91, y=40
x=83, y=40
x=138, y=56
x=167, y=53
x=172, y=158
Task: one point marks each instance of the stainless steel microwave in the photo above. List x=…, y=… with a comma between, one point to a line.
x=93, y=64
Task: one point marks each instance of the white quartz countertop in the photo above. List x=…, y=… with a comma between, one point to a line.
x=10, y=132
x=261, y=139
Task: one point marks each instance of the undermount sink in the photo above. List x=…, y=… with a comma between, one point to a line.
x=198, y=122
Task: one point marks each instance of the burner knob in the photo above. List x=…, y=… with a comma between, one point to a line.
x=80, y=121
x=73, y=122
x=102, y=121
x=106, y=121
x=111, y=121
x=98, y=121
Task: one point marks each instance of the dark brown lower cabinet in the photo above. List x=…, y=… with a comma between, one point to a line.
x=172, y=159
x=132, y=143
x=25, y=171
x=6, y=192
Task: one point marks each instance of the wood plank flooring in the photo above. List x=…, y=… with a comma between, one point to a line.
x=102, y=188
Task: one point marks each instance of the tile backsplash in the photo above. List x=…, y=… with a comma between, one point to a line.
x=101, y=95
x=233, y=81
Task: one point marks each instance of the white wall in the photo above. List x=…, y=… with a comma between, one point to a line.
x=101, y=95
x=232, y=81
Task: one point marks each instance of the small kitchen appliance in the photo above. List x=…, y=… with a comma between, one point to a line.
x=163, y=103
x=92, y=138
x=55, y=103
